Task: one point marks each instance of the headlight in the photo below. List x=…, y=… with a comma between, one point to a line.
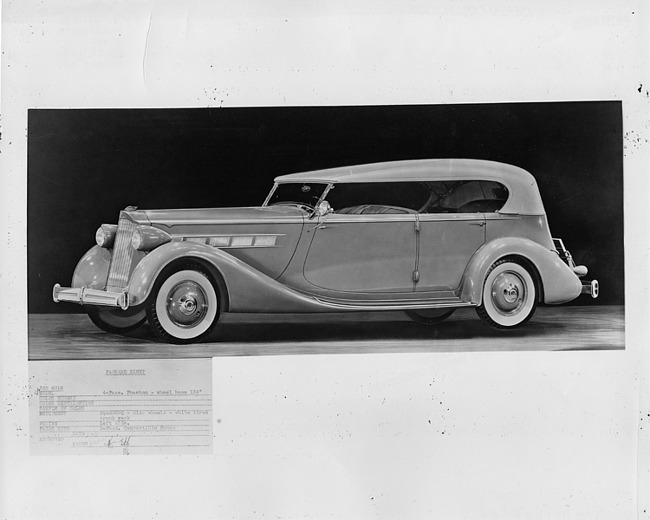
x=146, y=238
x=105, y=235
x=136, y=240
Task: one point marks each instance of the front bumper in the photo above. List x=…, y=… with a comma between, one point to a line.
x=86, y=296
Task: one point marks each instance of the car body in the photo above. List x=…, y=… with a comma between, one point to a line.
x=422, y=236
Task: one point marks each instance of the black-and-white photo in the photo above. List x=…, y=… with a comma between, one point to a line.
x=324, y=260
x=427, y=213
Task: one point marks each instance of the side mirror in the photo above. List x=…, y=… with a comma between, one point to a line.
x=323, y=208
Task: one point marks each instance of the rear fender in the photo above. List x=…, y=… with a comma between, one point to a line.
x=246, y=289
x=558, y=283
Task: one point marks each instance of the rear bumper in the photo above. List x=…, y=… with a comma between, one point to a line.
x=590, y=288
x=86, y=296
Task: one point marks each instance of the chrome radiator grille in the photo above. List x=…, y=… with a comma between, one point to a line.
x=118, y=273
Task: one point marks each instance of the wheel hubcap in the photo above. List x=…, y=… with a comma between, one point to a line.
x=187, y=304
x=508, y=293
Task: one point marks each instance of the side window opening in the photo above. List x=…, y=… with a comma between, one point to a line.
x=375, y=198
x=466, y=197
x=395, y=198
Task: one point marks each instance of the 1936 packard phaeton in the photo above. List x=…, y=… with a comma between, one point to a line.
x=424, y=236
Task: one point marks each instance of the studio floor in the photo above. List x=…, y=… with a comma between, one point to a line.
x=73, y=336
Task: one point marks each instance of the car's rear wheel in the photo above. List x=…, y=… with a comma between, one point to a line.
x=184, y=306
x=509, y=295
x=117, y=321
x=429, y=316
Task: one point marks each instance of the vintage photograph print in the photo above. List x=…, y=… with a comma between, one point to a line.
x=243, y=231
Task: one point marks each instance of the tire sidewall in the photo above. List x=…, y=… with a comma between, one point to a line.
x=166, y=326
x=524, y=314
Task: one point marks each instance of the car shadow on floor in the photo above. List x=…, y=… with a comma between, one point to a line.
x=397, y=330
x=579, y=328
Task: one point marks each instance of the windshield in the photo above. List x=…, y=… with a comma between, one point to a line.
x=301, y=194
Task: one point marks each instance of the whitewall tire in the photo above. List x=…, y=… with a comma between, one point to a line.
x=509, y=295
x=185, y=306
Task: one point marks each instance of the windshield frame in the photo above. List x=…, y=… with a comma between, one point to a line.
x=328, y=187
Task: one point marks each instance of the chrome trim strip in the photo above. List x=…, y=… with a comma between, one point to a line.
x=393, y=305
x=240, y=247
x=444, y=217
x=334, y=218
x=220, y=235
x=386, y=217
x=268, y=240
x=497, y=215
x=410, y=217
x=179, y=222
x=245, y=247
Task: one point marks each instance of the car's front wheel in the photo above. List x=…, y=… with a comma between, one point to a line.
x=184, y=306
x=117, y=321
x=509, y=295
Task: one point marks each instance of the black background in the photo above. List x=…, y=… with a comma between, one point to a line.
x=85, y=165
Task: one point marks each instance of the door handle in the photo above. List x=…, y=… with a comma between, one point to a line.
x=481, y=223
x=319, y=226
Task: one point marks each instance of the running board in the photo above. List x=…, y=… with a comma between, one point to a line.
x=392, y=305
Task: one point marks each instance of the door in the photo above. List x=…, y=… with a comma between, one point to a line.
x=446, y=244
x=362, y=253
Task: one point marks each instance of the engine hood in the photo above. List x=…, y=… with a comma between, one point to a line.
x=202, y=216
x=263, y=237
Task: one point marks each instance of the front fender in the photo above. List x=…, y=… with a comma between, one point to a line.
x=559, y=283
x=248, y=289
x=92, y=270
